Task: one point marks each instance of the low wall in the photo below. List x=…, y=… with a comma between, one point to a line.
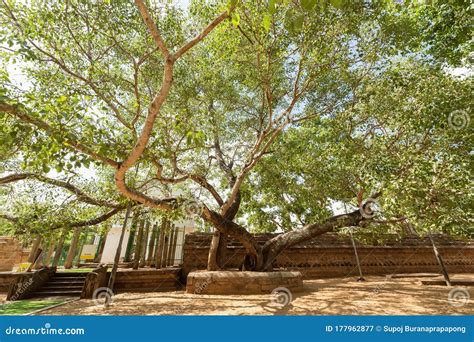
x=333, y=256
x=6, y=278
x=11, y=253
x=148, y=280
x=228, y=282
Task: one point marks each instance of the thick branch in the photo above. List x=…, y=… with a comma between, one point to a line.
x=81, y=195
x=150, y=24
x=154, y=108
x=203, y=34
x=76, y=145
x=276, y=245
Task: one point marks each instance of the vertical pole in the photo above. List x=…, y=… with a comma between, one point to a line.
x=34, y=249
x=151, y=246
x=159, y=252
x=173, y=250
x=131, y=237
x=361, y=278
x=59, y=249
x=144, y=244
x=440, y=261
x=100, y=249
x=170, y=246
x=138, y=245
x=38, y=263
x=79, y=250
x=47, y=260
x=72, y=248
x=113, y=273
x=166, y=244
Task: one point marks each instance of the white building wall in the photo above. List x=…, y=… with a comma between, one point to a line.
x=112, y=242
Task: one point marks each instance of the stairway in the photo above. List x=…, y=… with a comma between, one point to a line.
x=63, y=284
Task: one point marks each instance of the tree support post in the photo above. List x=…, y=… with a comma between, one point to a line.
x=113, y=273
x=440, y=261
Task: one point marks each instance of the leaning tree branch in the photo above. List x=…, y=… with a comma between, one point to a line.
x=276, y=245
x=21, y=114
x=81, y=195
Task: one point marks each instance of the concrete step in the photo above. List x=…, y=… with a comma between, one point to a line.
x=61, y=284
x=65, y=280
x=70, y=274
x=60, y=288
x=57, y=293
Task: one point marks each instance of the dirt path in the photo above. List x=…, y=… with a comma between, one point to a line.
x=341, y=296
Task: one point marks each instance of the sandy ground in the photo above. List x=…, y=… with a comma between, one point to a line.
x=341, y=296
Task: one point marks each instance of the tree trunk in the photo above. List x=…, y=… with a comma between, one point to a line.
x=212, y=264
x=161, y=244
x=262, y=258
x=170, y=246
x=113, y=273
x=59, y=249
x=131, y=237
x=79, y=250
x=151, y=246
x=166, y=245
x=144, y=244
x=47, y=259
x=173, y=250
x=100, y=249
x=34, y=248
x=38, y=263
x=138, y=246
x=278, y=244
x=72, y=248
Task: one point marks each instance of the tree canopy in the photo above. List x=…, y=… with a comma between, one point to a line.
x=265, y=115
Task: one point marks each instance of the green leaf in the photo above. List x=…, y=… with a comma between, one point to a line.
x=337, y=3
x=308, y=4
x=297, y=23
x=272, y=6
x=267, y=20
x=235, y=19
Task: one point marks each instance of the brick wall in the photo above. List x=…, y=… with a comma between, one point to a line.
x=11, y=253
x=333, y=256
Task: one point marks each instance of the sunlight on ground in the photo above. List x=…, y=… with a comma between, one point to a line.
x=337, y=296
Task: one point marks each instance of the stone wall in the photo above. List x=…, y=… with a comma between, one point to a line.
x=333, y=256
x=228, y=282
x=11, y=253
x=148, y=280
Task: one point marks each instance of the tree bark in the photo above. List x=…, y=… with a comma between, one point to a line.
x=34, y=248
x=47, y=259
x=212, y=258
x=151, y=246
x=278, y=244
x=138, y=246
x=113, y=273
x=144, y=244
x=173, y=250
x=72, y=248
x=59, y=249
x=159, y=252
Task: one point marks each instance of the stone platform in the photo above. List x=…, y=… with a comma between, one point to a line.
x=235, y=282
